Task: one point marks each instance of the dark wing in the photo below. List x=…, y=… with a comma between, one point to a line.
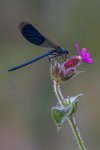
x=31, y=34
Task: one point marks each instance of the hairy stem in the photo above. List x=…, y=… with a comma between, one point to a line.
x=58, y=93
x=76, y=133
x=72, y=121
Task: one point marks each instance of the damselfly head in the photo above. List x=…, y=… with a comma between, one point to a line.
x=65, y=52
x=62, y=50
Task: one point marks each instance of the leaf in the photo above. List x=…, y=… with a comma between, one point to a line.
x=73, y=101
x=60, y=114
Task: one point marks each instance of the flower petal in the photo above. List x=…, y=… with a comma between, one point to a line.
x=85, y=56
x=83, y=50
x=89, y=60
x=77, y=47
x=88, y=55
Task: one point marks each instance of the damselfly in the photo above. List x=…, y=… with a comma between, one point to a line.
x=31, y=34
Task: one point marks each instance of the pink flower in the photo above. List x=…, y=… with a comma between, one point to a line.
x=67, y=70
x=85, y=56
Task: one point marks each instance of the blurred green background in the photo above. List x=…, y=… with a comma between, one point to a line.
x=26, y=95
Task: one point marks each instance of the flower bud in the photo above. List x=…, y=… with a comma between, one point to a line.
x=73, y=62
x=54, y=69
x=66, y=74
x=65, y=71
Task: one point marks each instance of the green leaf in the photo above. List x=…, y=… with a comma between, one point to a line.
x=73, y=101
x=60, y=114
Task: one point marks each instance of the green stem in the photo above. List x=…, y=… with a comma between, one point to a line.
x=71, y=118
x=76, y=133
x=58, y=93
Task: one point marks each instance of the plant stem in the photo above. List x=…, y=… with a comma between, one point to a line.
x=58, y=93
x=76, y=133
x=71, y=118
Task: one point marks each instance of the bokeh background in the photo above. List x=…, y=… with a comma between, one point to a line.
x=26, y=95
